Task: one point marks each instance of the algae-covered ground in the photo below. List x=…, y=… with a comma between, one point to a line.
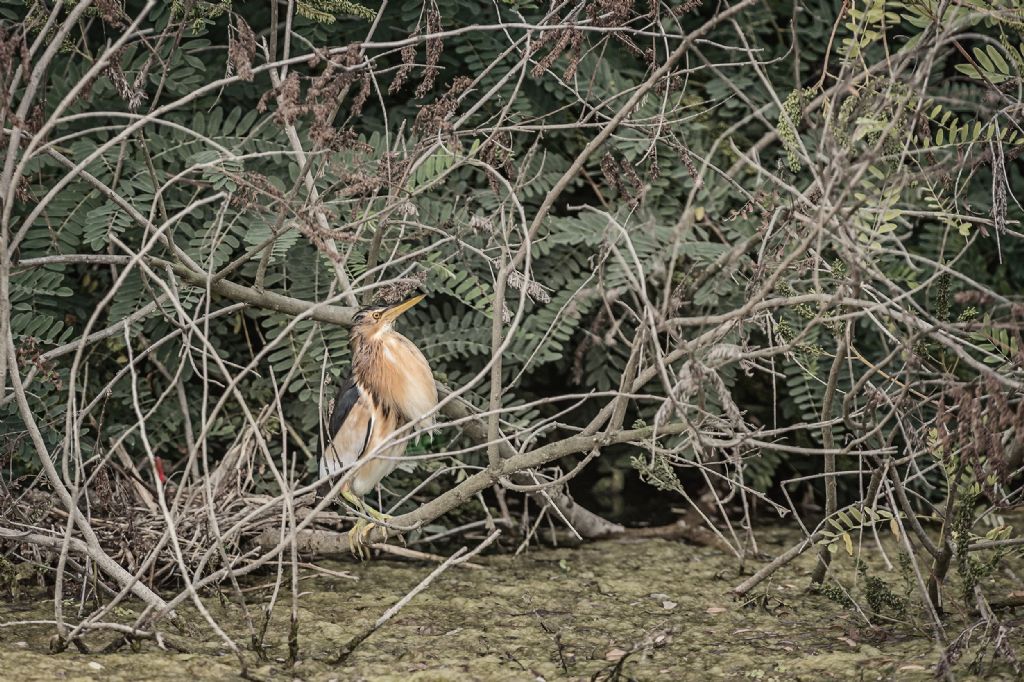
x=648, y=609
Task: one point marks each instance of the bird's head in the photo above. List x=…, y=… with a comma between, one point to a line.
x=374, y=320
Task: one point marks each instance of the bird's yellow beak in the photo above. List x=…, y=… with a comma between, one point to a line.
x=391, y=314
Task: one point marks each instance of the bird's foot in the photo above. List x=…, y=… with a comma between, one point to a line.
x=356, y=540
x=359, y=535
x=382, y=521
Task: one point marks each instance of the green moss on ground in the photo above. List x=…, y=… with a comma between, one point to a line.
x=553, y=614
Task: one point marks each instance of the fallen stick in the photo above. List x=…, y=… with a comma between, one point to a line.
x=776, y=563
x=689, y=529
x=459, y=557
x=407, y=553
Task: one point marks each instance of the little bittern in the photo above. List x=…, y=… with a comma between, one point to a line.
x=390, y=386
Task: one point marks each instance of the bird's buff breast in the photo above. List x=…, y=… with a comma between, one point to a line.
x=414, y=394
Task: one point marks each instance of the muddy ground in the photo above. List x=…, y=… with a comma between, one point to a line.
x=649, y=609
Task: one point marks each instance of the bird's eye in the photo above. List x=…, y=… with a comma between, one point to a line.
x=376, y=316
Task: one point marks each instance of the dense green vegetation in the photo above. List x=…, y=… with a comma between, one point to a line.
x=227, y=138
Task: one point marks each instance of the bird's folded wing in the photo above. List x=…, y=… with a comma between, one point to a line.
x=348, y=395
x=349, y=430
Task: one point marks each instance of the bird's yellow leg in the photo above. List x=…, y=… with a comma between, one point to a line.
x=358, y=536
x=352, y=498
x=378, y=515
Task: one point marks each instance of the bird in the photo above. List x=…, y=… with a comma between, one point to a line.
x=390, y=385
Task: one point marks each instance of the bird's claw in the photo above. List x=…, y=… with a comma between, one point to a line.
x=359, y=535
x=355, y=543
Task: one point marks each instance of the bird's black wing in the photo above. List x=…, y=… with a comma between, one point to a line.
x=348, y=395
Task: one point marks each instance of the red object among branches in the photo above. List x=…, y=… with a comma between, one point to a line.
x=158, y=462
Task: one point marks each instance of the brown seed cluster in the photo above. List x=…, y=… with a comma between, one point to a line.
x=615, y=14
x=288, y=108
x=13, y=48
x=242, y=49
x=408, y=62
x=401, y=289
x=981, y=422
x=623, y=178
x=618, y=14
x=517, y=281
x=391, y=169
x=357, y=183
x=133, y=93
x=21, y=190
x=325, y=93
x=28, y=352
x=432, y=119
x=307, y=225
x=34, y=122
x=611, y=12
x=563, y=41
x=255, y=192
x=684, y=156
x=434, y=48
x=481, y=224
x=115, y=74
x=111, y=12
x=497, y=152
x=688, y=6
x=322, y=100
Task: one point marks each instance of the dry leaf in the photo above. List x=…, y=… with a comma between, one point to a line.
x=614, y=655
x=715, y=609
x=669, y=605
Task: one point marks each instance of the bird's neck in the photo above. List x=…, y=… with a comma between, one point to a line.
x=379, y=366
